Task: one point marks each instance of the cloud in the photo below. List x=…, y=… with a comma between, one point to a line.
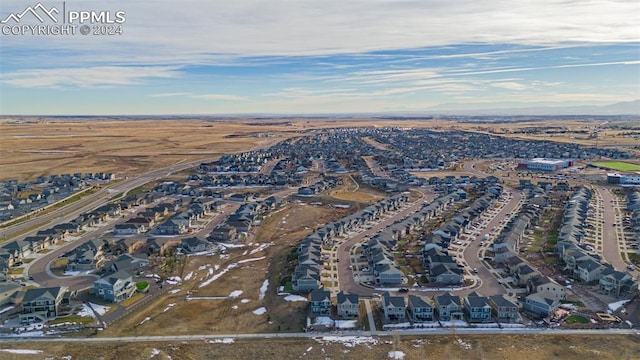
x=510, y=85
x=214, y=32
x=219, y=97
x=87, y=77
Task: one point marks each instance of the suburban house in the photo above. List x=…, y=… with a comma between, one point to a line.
x=546, y=285
x=477, y=308
x=540, y=304
x=420, y=310
x=320, y=302
x=114, y=288
x=448, y=307
x=504, y=310
x=617, y=283
x=348, y=305
x=393, y=307
x=42, y=304
x=194, y=245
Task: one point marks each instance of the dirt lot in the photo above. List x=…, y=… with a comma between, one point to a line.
x=227, y=304
x=508, y=347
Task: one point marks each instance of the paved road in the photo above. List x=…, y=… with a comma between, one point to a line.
x=489, y=284
x=308, y=335
x=610, y=242
x=345, y=275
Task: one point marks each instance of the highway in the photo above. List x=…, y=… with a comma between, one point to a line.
x=313, y=335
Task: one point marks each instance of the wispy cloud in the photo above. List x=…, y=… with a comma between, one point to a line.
x=510, y=85
x=99, y=76
x=226, y=97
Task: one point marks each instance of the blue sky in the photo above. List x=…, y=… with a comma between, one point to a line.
x=214, y=57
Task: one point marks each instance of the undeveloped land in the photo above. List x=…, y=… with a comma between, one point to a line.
x=494, y=347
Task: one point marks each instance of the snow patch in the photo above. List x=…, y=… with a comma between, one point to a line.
x=174, y=280
x=86, y=310
x=244, y=301
x=260, y=248
x=263, y=289
x=295, y=298
x=396, y=355
x=169, y=307
x=260, y=311
x=349, y=341
x=174, y=291
x=189, y=276
x=222, y=341
x=218, y=275
x=235, y=293
x=613, y=307
x=154, y=352
x=252, y=259
x=22, y=351
x=463, y=344
x=145, y=320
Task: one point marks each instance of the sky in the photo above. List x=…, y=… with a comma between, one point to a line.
x=320, y=57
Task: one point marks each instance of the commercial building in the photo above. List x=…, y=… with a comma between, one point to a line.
x=543, y=164
x=627, y=179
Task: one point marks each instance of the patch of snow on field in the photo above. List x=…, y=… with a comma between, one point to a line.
x=244, y=301
x=252, y=259
x=350, y=341
x=154, y=352
x=463, y=344
x=613, y=307
x=218, y=275
x=188, y=298
x=263, y=289
x=174, y=280
x=215, y=267
x=145, y=320
x=235, y=307
x=189, y=276
x=22, y=351
x=260, y=248
x=231, y=246
x=222, y=341
x=396, y=355
x=86, y=310
x=202, y=267
x=174, y=291
x=260, y=311
x=169, y=307
x=245, y=252
x=235, y=293
x=295, y=298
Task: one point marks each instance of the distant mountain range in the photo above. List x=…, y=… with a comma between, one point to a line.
x=621, y=108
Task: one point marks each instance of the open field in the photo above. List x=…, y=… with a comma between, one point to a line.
x=227, y=304
x=617, y=165
x=34, y=147
x=503, y=347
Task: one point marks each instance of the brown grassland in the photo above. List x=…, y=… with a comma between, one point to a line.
x=126, y=147
x=477, y=347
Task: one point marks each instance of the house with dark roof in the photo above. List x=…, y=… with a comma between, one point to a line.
x=115, y=287
x=393, y=307
x=420, y=309
x=540, y=304
x=320, y=302
x=477, y=308
x=448, y=307
x=347, y=305
x=504, y=310
x=42, y=304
